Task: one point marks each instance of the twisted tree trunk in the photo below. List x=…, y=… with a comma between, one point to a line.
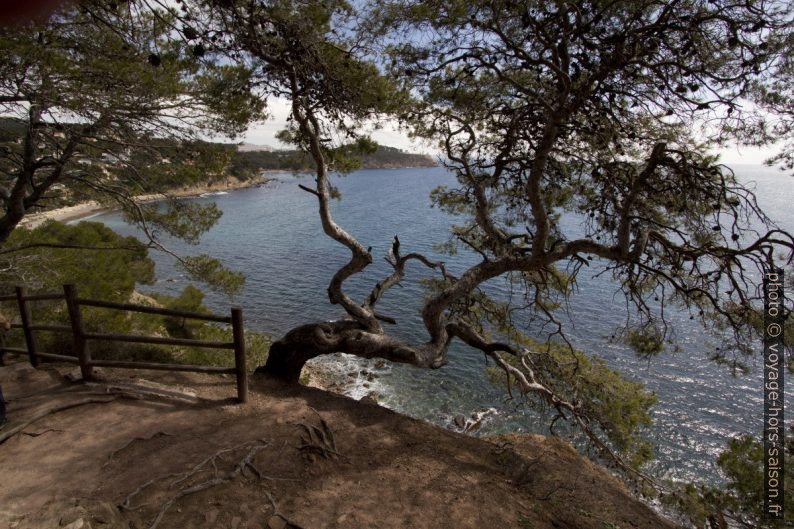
x=289, y=354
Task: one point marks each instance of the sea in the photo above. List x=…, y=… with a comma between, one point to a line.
x=273, y=235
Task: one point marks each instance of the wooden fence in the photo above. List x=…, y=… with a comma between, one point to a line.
x=80, y=337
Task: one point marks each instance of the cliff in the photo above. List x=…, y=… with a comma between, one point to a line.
x=292, y=457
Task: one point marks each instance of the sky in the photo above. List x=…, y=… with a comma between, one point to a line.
x=265, y=133
x=391, y=136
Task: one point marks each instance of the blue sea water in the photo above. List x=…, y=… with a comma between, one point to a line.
x=273, y=235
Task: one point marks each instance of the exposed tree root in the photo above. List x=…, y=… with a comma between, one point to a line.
x=104, y=395
x=43, y=393
x=209, y=464
x=238, y=469
x=5, y=436
x=319, y=440
x=36, y=434
x=278, y=514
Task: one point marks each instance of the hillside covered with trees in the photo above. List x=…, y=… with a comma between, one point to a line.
x=244, y=164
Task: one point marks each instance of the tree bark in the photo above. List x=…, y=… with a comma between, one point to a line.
x=289, y=354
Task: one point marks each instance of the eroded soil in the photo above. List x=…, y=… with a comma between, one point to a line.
x=174, y=450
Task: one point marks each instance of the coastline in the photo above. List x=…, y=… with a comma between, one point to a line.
x=92, y=207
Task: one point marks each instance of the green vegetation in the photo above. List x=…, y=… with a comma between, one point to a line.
x=110, y=275
x=191, y=300
x=741, y=502
x=621, y=406
x=101, y=103
x=646, y=342
x=108, y=268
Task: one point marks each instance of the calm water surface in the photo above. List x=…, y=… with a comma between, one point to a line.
x=273, y=235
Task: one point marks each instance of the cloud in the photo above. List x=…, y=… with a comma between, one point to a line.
x=389, y=134
x=736, y=155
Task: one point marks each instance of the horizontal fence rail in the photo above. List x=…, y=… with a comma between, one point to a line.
x=157, y=340
x=44, y=297
x=154, y=310
x=80, y=336
x=50, y=328
x=58, y=358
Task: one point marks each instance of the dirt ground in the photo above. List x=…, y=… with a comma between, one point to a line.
x=184, y=455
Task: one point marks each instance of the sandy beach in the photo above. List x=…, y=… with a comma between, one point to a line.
x=91, y=207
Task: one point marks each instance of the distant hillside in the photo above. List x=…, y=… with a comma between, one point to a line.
x=246, y=147
x=245, y=163
x=247, y=160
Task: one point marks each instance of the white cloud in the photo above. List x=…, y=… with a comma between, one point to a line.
x=265, y=133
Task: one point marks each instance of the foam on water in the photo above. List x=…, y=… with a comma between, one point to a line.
x=357, y=377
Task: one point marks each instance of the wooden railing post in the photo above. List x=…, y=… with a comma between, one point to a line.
x=239, y=354
x=76, y=319
x=26, y=318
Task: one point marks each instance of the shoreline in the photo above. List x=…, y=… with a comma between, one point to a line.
x=91, y=207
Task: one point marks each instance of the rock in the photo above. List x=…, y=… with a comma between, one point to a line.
x=211, y=516
x=380, y=364
x=236, y=522
x=74, y=375
x=474, y=426
x=73, y=514
x=80, y=523
x=368, y=399
x=460, y=421
x=276, y=522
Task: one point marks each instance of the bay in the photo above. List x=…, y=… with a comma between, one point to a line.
x=273, y=235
